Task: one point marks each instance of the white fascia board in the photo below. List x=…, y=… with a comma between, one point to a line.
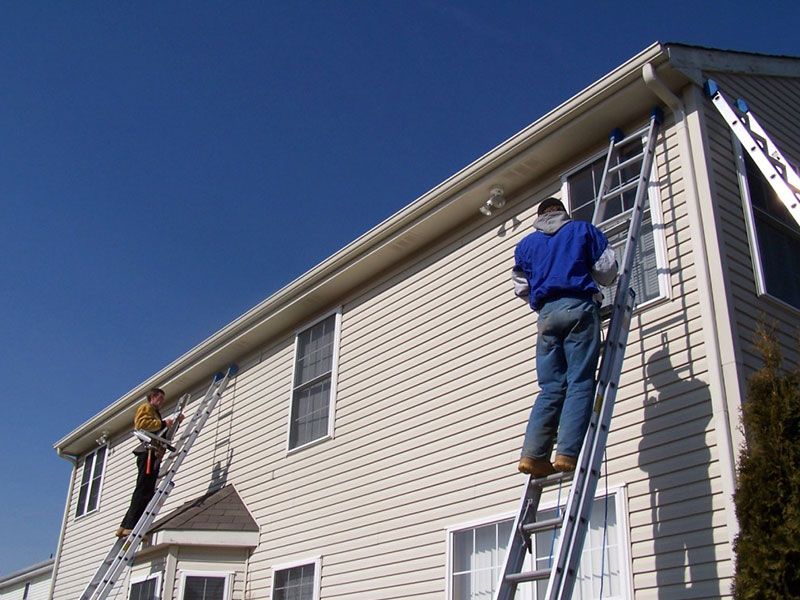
x=179, y=537
x=440, y=209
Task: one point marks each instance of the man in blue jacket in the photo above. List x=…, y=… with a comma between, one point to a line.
x=557, y=270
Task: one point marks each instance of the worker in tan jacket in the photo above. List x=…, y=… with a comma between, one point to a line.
x=147, y=418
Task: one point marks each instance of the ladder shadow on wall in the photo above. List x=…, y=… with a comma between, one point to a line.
x=674, y=452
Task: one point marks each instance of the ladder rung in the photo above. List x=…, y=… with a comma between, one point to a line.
x=627, y=163
x=528, y=576
x=538, y=526
x=620, y=190
x=627, y=140
x=552, y=479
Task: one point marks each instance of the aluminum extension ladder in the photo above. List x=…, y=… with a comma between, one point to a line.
x=778, y=172
x=574, y=522
x=124, y=550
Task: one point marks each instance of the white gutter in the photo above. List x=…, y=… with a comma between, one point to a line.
x=712, y=299
x=442, y=195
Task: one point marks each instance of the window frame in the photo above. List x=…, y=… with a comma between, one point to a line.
x=227, y=575
x=100, y=481
x=337, y=313
x=752, y=233
x=142, y=578
x=618, y=492
x=656, y=219
x=315, y=560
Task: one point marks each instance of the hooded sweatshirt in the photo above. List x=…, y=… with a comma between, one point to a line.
x=562, y=259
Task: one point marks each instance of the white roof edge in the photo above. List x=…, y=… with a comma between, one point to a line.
x=578, y=103
x=30, y=572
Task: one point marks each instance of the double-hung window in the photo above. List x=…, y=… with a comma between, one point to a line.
x=314, y=382
x=649, y=277
x=477, y=552
x=297, y=581
x=773, y=232
x=205, y=585
x=91, y=481
x=148, y=588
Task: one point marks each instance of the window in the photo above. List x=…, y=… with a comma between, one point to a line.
x=296, y=581
x=146, y=589
x=477, y=552
x=313, y=384
x=91, y=480
x=649, y=277
x=773, y=232
x=204, y=586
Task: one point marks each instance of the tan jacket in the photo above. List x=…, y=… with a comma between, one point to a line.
x=147, y=417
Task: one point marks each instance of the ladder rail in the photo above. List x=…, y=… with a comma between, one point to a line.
x=124, y=550
x=561, y=577
x=581, y=496
x=784, y=182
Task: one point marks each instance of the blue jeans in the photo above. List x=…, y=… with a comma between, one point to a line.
x=567, y=350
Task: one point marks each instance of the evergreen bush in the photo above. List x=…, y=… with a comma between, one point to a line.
x=768, y=491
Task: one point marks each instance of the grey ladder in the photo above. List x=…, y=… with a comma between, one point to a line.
x=575, y=517
x=778, y=172
x=124, y=550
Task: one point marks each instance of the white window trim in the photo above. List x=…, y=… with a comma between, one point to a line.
x=315, y=560
x=226, y=591
x=623, y=536
x=142, y=578
x=334, y=377
x=752, y=234
x=99, y=485
x=656, y=218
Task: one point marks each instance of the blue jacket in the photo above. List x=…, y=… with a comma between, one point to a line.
x=562, y=258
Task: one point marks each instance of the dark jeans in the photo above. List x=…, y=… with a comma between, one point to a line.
x=567, y=350
x=143, y=492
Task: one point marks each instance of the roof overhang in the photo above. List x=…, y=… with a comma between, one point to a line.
x=580, y=124
x=25, y=575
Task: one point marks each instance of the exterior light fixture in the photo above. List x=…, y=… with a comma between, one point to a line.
x=496, y=200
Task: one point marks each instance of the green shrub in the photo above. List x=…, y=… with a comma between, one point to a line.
x=768, y=491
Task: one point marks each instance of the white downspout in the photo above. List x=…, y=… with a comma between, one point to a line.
x=74, y=460
x=711, y=304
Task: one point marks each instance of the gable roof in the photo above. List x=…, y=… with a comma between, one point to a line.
x=219, y=510
x=578, y=124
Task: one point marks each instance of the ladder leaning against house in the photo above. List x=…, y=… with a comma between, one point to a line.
x=574, y=522
x=779, y=172
x=124, y=550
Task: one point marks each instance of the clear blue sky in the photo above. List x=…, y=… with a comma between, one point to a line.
x=166, y=166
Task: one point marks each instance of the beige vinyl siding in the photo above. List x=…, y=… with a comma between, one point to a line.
x=38, y=590
x=774, y=101
x=436, y=378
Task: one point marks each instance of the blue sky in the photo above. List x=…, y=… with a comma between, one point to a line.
x=166, y=166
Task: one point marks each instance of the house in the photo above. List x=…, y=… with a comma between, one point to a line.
x=30, y=583
x=368, y=446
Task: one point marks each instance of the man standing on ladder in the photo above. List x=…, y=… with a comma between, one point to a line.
x=557, y=270
x=149, y=419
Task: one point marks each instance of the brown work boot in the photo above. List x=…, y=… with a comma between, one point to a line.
x=564, y=463
x=538, y=467
x=123, y=532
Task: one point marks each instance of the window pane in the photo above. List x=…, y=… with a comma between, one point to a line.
x=315, y=351
x=778, y=238
x=144, y=590
x=583, y=188
x=84, y=487
x=597, y=567
x=296, y=583
x=203, y=588
x=310, y=408
x=478, y=554
x=94, y=493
